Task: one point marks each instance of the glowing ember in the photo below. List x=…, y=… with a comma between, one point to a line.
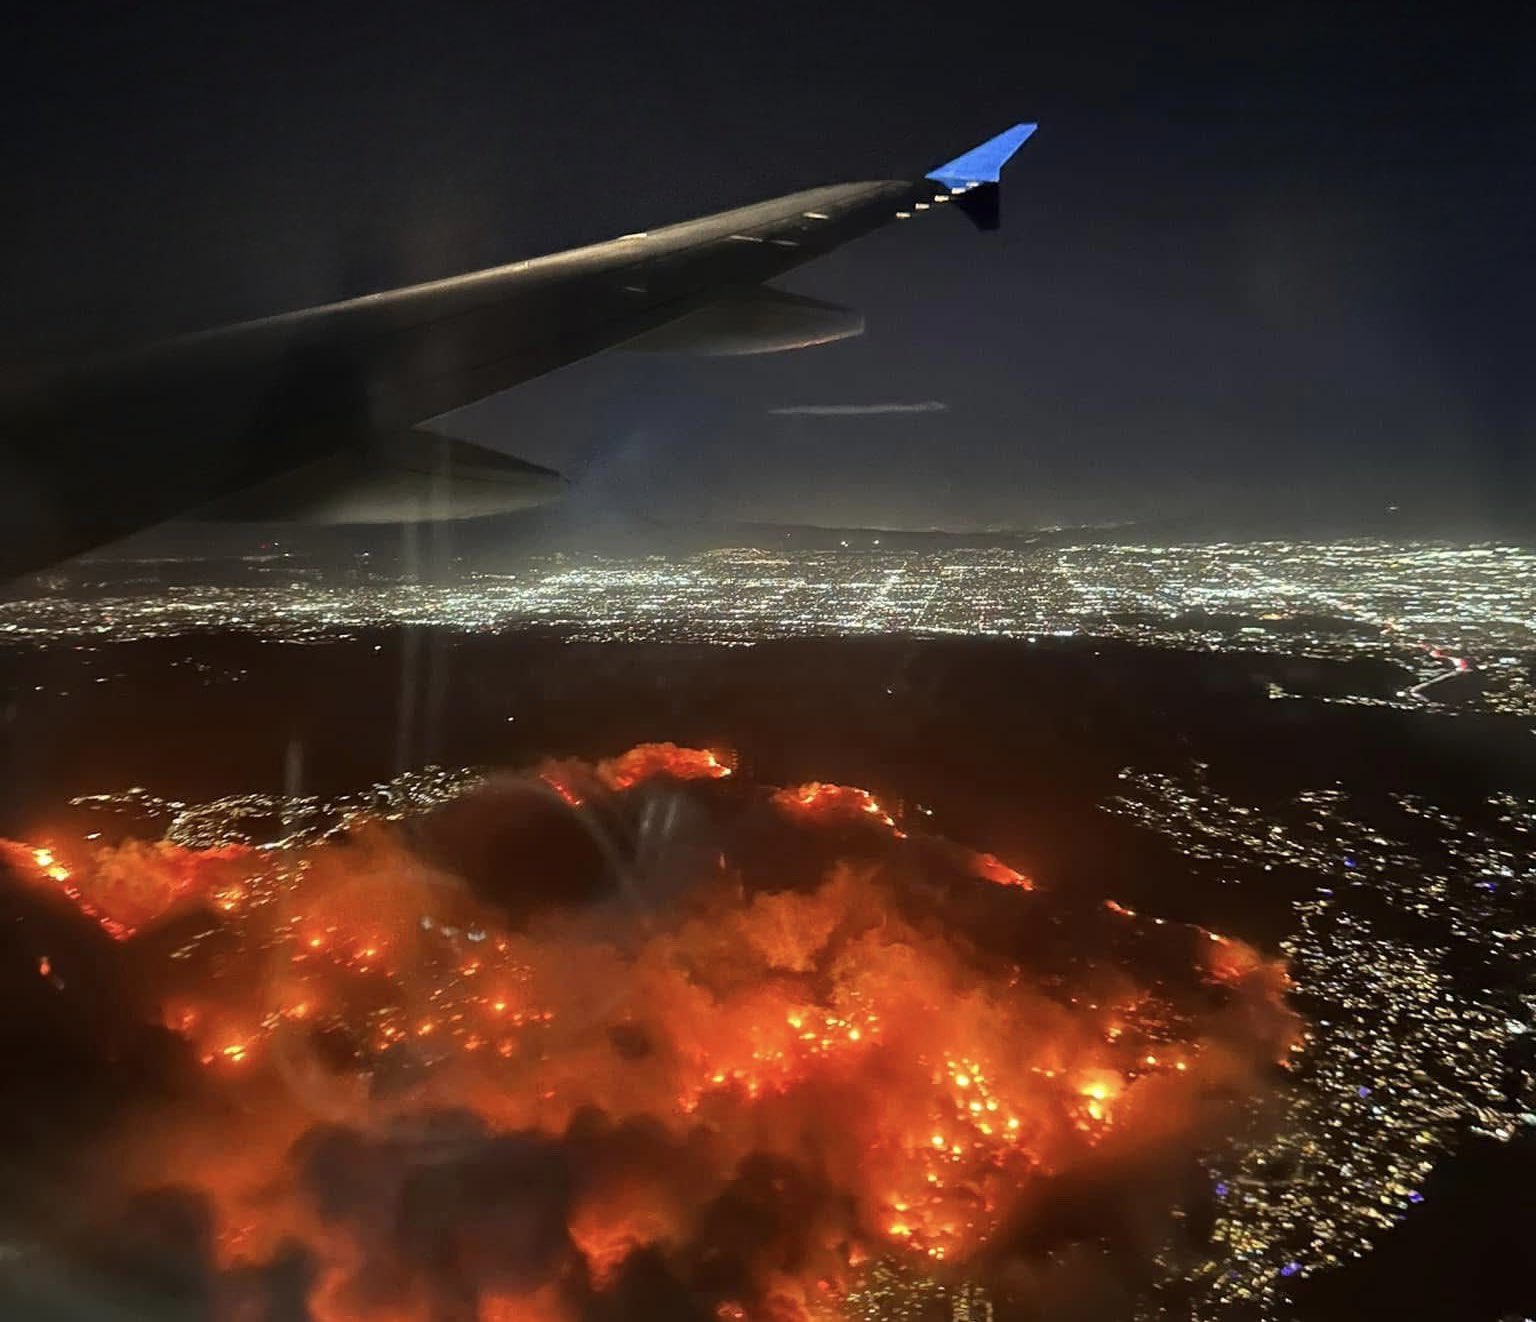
x=651, y=760
x=991, y=868
x=768, y=1086
x=820, y=803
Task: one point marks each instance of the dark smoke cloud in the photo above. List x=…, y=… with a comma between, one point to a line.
x=445, y=1211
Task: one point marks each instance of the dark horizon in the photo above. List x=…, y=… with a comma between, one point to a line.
x=1254, y=264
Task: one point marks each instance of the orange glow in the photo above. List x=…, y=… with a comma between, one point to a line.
x=570, y=796
x=823, y=804
x=1230, y=960
x=647, y=761
x=991, y=868
x=842, y=1025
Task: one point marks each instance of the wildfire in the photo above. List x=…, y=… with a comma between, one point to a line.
x=648, y=761
x=823, y=804
x=991, y=868
x=799, y=1078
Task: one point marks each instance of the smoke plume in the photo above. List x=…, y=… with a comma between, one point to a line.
x=632, y=1039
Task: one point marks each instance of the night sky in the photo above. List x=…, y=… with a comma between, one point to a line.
x=1262, y=260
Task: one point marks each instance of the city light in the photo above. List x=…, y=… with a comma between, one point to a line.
x=1437, y=612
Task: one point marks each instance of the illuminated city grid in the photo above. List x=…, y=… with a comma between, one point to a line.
x=1404, y=1052
x=1437, y=610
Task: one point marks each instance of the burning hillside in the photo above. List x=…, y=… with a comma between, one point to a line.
x=627, y=1040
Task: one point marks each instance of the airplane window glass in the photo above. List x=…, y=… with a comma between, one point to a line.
x=592, y=729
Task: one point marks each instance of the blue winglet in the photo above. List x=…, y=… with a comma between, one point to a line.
x=983, y=164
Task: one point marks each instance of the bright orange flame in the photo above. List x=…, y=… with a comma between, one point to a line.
x=648, y=761
x=991, y=868
x=823, y=1024
x=822, y=803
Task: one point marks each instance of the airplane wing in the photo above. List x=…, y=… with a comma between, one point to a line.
x=316, y=414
